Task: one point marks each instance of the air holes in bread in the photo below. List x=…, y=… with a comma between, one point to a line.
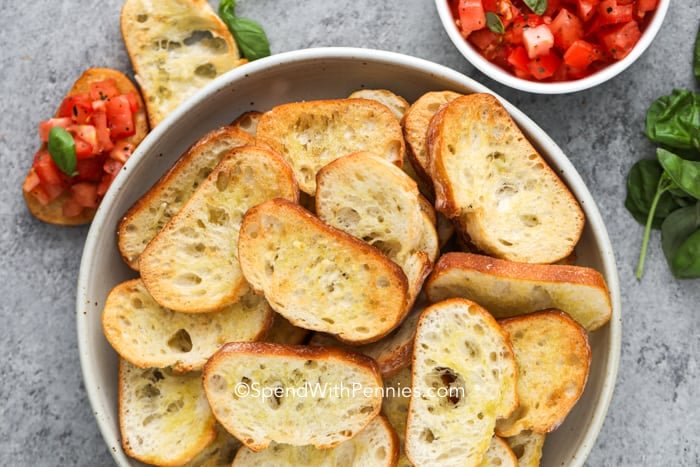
x=448, y=385
x=427, y=435
x=218, y=216
x=222, y=181
x=208, y=70
x=180, y=341
x=217, y=383
x=382, y=282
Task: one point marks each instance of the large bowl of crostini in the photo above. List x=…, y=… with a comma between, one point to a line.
x=129, y=394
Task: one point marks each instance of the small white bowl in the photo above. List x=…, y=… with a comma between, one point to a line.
x=304, y=75
x=560, y=87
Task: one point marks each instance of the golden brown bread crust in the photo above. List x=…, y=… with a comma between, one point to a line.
x=515, y=270
x=53, y=212
x=388, y=315
x=168, y=178
x=546, y=399
x=480, y=162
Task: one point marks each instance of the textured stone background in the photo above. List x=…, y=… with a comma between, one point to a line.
x=46, y=419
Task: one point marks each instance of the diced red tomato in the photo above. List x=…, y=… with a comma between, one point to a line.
x=77, y=107
x=566, y=28
x=611, y=12
x=85, y=194
x=515, y=34
x=578, y=36
x=647, y=5
x=538, y=40
x=619, y=40
x=46, y=125
x=99, y=121
x=581, y=54
x=519, y=59
x=120, y=119
x=586, y=8
x=103, y=134
x=46, y=169
x=471, y=16
x=544, y=66
x=103, y=90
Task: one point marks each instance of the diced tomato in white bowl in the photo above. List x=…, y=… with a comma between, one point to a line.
x=552, y=46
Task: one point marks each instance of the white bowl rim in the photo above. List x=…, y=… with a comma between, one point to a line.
x=561, y=87
x=594, y=220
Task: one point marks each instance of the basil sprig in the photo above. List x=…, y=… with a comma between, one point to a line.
x=62, y=150
x=249, y=35
x=538, y=7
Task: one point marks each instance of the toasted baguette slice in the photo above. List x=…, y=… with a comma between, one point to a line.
x=155, y=208
x=148, y=335
x=507, y=288
x=248, y=122
x=376, y=446
x=262, y=393
x=319, y=277
x=397, y=395
x=164, y=418
x=527, y=447
x=415, y=127
x=553, y=358
x=192, y=264
x=375, y=201
x=53, y=211
x=392, y=353
x=397, y=104
x=499, y=454
x=175, y=48
x=311, y=134
x=463, y=380
x=220, y=453
x=283, y=332
x=488, y=175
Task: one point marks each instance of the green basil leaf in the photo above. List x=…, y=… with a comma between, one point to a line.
x=696, y=57
x=677, y=228
x=493, y=21
x=62, y=150
x=686, y=261
x=538, y=7
x=674, y=120
x=249, y=35
x=642, y=181
x=685, y=174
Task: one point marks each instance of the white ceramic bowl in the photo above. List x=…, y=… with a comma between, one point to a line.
x=509, y=79
x=316, y=74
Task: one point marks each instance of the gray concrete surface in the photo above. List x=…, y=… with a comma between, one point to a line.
x=46, y=419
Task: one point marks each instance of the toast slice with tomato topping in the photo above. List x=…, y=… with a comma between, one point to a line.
x=176, y=47
x=158, y=205
x=44, y=197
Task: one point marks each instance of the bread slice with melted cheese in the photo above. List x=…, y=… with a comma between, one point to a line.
x=149, y=335
x=176, y=47
x=299, y=395
x=192, y=265
x=508, y=288
x=318, y=277
x=463, y=380
x=311, y=134
x=553, y=359
x=501, y=191
x=154, y=209
x=164, y=418
x=375, y=446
